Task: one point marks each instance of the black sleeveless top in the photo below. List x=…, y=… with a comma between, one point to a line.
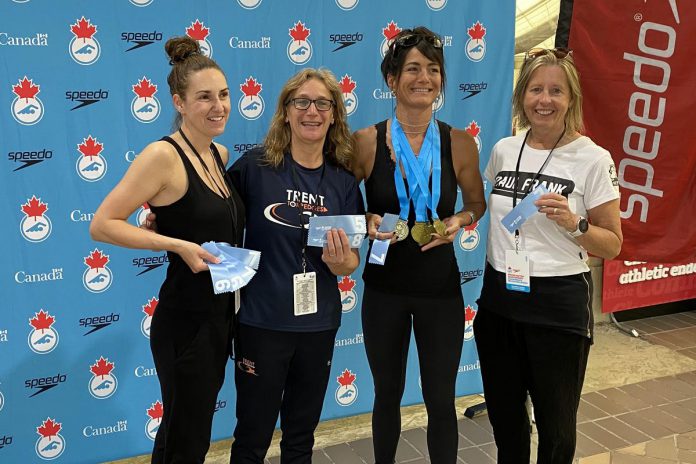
x=407, y=270
x=199, y=216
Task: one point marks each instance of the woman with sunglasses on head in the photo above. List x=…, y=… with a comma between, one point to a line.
x=182, y=178
x=534, y=324
x=412, y=165
x=284, y=347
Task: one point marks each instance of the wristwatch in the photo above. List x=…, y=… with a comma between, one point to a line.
x=581, y=227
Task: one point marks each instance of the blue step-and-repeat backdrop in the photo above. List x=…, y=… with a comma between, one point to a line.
x=82, y=90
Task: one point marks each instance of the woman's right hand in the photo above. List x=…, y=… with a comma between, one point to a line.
x=373, y=223
x=195, y=256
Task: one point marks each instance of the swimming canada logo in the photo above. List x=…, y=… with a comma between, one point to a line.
x=350, y=99
x=439, y=102
x=347, y=5
x=2, y=401
x=35, y=225
x=51, y=443
x=299, y=48
x=84, y=48
x=149, y=310
x=251, y=104
x=154, y=413
x=198, y=32
x=27, y=109
x=43, y=338
x=436, y=5
x=347, y=391
x=476, y=45
x=348, y=296
x=141, y=215
x=141, y=2
x=97, y=277
x=103, y=383
x=145, y=107
x=249, y=4
x=389, y=32
x=469, y=238
x=469, y=315
x=473, y=129
x=90, y=165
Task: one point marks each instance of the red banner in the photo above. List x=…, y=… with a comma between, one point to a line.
x=636, y=62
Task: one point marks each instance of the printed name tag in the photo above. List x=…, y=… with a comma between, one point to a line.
x=517, y=271
x=305, y=292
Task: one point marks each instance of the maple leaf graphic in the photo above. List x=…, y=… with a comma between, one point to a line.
x=250, y=88
x=34, y=207
x=347, y=84
x=83, y=29
x=197, y=31
x=90, y=147
x=470, y=227
x=299, y=32
x=156, y=411
x=346, y=284
x=346, y=378
x=96, y=259
x=144, y=88
x=391, y=30
x=469, y=313
x=26, y=89
x=102, y=367
x=150, y=307
x=42, y=320
x=477, y=32
x=473, y=129
x=49, y=428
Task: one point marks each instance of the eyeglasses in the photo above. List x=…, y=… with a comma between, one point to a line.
x=320, y=104
x=411, y=40
x=559, y=53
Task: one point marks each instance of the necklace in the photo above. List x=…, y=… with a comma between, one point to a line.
x=412, y=125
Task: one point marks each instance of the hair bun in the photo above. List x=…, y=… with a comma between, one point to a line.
x=180, y=48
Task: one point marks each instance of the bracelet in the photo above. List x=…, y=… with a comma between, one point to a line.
x=471, y=215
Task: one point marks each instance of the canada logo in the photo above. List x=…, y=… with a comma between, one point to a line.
x=249, y=4
x=145, y=107
x=347, y=391
x=35, y=225
x=141, y=215
x=97, y=277
x=198, y=32
x=152, y=425
x=347, y=4
x=469, y=315
x=439, y=102
x=42, y=338
x=2, y=401
x=469, y=238
x=476, y=45
x=473, y=129
x=141, y=2
x=389, y=32
x=149, y=310
x=103, y=383
x=84, y=48
x=436, y=5
x=350, y=99
x=299, y=48
x=90, y=165
x=348, y=297
x=51, y=443
x=251, y=104
x=27, y=109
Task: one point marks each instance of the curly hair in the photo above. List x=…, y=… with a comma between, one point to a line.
x=339, y=145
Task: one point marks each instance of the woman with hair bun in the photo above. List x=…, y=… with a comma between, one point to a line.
x=182, y=177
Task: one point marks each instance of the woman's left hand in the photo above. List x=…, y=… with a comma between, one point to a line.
x=453, y=223
x=556, y=208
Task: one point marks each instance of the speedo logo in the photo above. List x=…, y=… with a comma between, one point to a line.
x=44, y=383
x=140, y=39
x=345, y=40
x=29, y=158
x=244, y=147
x=150, y=263
x=472, y=88
x=86, y=97
x=95, y=323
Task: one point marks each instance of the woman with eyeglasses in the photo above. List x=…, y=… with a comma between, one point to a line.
x=534, y=322
x=284, y=346
x=412, y=165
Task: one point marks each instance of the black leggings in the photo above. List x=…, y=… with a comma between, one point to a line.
x=438, y=326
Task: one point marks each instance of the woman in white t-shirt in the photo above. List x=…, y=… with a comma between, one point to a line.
x=534, y=324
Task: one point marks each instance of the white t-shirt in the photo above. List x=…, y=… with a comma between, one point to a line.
x=581, y=171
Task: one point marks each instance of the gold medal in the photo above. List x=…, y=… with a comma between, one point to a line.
x=401, y=231
x=420, y=233
x=440, y=227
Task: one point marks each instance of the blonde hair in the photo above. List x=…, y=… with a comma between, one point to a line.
x=573, y=117
x=339, y=145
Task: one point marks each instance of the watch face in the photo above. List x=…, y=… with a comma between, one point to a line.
x=583, y=225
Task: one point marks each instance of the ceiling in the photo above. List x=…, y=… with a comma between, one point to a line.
x=535, y=24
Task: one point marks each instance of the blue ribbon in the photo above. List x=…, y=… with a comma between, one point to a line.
x=236, y=268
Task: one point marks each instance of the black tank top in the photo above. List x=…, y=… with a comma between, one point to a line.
x=199, y=216
x=407, y=270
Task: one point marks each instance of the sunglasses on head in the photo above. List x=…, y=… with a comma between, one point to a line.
x=411, y=40
x=559, y=53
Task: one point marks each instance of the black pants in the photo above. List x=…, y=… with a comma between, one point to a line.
x=190, y=350
x=517, y=358
x=279, y=372
x=438, y=326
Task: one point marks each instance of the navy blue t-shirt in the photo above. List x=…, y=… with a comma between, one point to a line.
x=274, y=199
